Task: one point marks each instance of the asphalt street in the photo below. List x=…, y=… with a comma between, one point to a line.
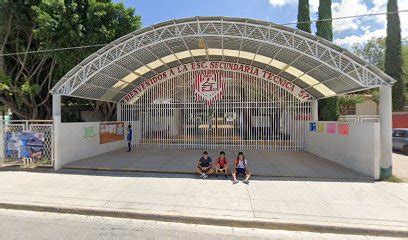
x=16, y=225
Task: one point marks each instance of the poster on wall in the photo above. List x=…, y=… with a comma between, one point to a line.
x=22, y=145
x=111, y=132
x=312, y=127
x=331, y=128
x=89, y=132
x=344, y=129
x=320, y=127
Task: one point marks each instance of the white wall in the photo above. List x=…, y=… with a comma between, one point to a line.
x=73, y=146
x=368, y=107
x=360, y=150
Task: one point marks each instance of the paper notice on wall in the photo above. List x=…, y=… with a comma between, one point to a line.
x=331, y=128
x=312, y=127
x=89, y=132
x=320, y=127
x=343, y=129
x=111, y=132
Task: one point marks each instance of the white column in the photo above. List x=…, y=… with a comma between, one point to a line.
x=385, y=111
x=56, y=115
x=119, y=112
x=315, y=111
x=2, y=149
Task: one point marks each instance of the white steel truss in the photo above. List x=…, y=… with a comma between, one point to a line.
x=334, y=68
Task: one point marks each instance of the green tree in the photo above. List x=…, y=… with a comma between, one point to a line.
x=393, y=57
x=372, y=51
x=324, y=24
x=303, y=16
x=26, y=79
x=328, y=107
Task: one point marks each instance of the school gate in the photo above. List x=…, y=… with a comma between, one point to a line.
x=219, y=82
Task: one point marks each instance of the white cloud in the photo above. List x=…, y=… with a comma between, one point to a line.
x=280, y=3
x=350, y=40
x=314, y=4
x=369, y=25
x=346, y=8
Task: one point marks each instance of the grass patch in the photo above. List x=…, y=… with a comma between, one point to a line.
x=393, y=179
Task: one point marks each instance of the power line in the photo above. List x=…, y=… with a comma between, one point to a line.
x=54, y=49
x=347, y=17
x=284, y=24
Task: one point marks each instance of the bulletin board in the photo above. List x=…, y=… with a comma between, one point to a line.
x=111, y=132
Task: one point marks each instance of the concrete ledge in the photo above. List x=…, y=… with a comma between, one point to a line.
x=138, y=170
x=241, y=222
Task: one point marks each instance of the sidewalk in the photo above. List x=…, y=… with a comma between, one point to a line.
x=266, y=203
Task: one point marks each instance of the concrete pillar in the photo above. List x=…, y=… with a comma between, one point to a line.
x=315, y=111
x=385, y=112
x=56, y=116
x=2, y=147
x=119, y=112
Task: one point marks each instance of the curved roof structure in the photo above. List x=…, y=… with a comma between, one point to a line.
x=313, y=64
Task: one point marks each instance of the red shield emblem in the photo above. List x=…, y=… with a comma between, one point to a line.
x=208, y=87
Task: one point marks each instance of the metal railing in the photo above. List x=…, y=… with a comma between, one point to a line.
x=359, y=118
x=251, y=114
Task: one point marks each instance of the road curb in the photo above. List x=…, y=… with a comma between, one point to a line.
x=139, y=170
x=262, y=224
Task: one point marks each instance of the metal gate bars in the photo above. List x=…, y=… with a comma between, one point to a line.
x=251, y=113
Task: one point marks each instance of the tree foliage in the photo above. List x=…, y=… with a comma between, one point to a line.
x=324, y=25
x=372, y=51
x=26, y=78
x=303, y=16
x=328, y=107
x=393, y=57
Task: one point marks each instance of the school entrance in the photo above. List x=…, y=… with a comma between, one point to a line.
x=220, y=83
x=217, y=108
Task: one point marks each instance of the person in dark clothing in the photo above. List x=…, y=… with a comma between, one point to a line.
x=129, y=138
x=204, y=166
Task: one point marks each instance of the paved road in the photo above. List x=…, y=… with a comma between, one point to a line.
x=400, y=165
x=16, y=225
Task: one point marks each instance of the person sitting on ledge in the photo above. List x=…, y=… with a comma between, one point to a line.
x=241, y=167
x=204, y=165
x=221, y=165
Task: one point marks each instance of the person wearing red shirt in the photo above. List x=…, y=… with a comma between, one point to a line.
x=221, y=165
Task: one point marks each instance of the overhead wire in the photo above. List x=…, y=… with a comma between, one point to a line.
x=284, y=24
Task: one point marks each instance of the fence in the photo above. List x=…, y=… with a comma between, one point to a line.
x=251, y=114
x=18, y=126
x=359, y=118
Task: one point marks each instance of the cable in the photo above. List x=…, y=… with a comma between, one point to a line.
x=346, y=17
x=54, y=49
x=284, y=24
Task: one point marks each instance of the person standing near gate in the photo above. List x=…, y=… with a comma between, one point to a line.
x=129, y=138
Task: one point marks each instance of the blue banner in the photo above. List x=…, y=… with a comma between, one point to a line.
x=20, y=145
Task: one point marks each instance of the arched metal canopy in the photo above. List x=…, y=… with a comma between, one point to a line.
x=317, y=66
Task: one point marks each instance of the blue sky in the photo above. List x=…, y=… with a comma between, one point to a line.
x=346, y=32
